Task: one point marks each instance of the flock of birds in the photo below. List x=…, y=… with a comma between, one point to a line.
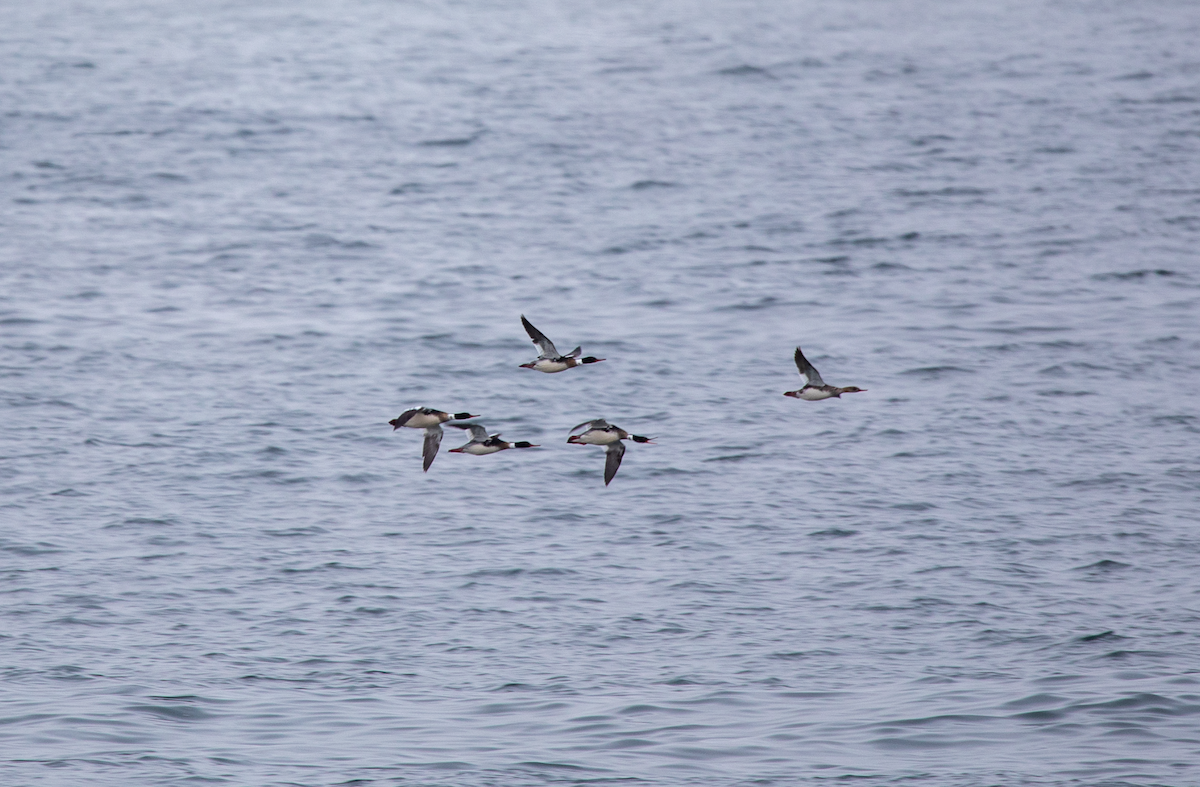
x=597, y=432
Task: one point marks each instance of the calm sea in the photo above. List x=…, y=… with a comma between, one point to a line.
x=236, y=238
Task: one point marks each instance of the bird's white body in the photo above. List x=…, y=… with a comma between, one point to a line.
x=600, y=436
x=553, y=365
x=814, y=394
x=479, y=449
x=425, y=420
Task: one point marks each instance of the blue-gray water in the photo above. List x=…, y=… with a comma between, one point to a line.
x=239, y=237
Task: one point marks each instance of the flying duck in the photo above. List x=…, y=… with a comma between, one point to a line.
x=549, y=361
x=601, y=432
x=481, y=443
x=815, y=389
x=431, y=421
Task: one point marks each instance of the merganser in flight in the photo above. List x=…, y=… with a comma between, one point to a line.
x=601, y=432
x=550, y=361
x=431, y=421
x=482, y=443
x=815, y=389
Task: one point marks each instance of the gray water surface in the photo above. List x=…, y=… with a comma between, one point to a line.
x=237, y=238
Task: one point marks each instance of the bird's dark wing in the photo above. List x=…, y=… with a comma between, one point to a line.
x=544, y=345
x=612, y=460
x=807, y=369
x=433, y=439
x=402, y=419
x=599, y=423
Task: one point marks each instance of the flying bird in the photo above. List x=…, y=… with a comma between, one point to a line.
x=431, y=421
x=549, y=361
x=601, y=432
x=482, y=444
x=815, y=389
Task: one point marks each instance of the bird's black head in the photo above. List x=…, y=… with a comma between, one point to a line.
x=463, y=416
x=524, y=444
x=637, y=438
x=590, y=359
